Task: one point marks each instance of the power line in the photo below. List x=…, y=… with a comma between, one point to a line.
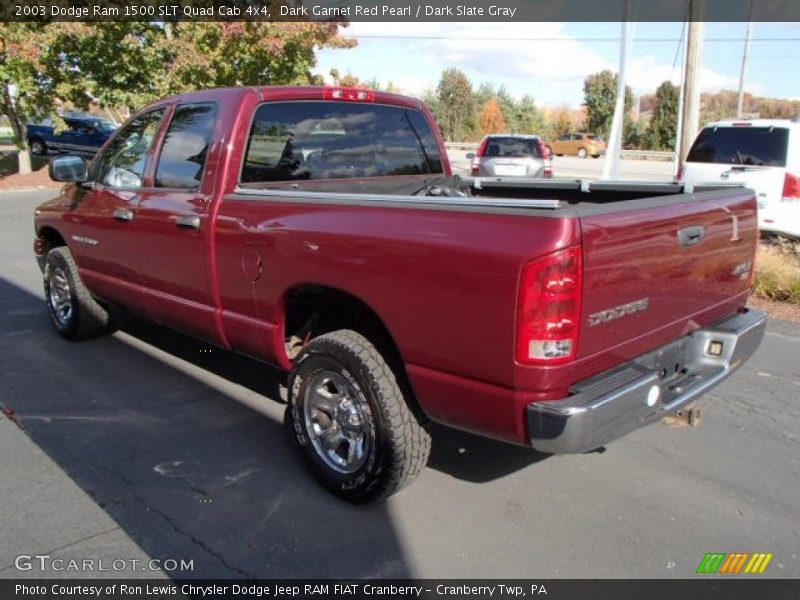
x=556, y=39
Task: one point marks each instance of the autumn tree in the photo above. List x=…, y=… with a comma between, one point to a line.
x=492, y=119
x=25, y=93
x=126, y=65
x=455, y=105
x=562, y=123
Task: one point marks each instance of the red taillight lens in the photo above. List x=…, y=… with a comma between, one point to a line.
x=679, y=175
x=349, y=94
x=791, y=188
x=549, y=308
x=482, y=148
x=548, y=172
x=476, y=162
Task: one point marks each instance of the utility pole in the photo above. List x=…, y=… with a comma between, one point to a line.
x=678, y=161
x=694, y=64
x=747, y=36
x=611, y=163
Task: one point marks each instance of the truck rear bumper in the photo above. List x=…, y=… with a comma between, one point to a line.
x=611, y=404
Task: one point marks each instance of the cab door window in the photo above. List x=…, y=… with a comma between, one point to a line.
x=185, y=148
x=123, y=163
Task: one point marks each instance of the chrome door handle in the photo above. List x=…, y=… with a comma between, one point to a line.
x=188, y=222
x=123, y=214
x=689, y=236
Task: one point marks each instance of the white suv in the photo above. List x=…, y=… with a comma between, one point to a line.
x=764, y=155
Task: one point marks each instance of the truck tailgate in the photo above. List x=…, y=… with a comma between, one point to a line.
x=661, y=269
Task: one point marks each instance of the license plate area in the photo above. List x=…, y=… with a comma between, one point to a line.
x=512, y=170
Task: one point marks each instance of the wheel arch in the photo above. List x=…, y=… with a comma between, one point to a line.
x=310, y=310
x=51, y=236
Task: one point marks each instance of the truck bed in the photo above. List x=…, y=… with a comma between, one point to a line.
x=439, y=271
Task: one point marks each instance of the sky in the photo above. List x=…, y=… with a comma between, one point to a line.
x=550, y=60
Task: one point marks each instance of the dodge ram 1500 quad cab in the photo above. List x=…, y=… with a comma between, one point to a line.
x=321, y=230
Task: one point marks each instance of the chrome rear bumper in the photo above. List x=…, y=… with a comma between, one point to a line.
x=607, y=406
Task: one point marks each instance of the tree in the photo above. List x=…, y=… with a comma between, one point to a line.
x=510, y=109
x=25, y=93
x=600, y=97
x=492, y=120
x=456, y=105
x=562, y=123
x=663, y=125
x=530, y=117
x=126, y=65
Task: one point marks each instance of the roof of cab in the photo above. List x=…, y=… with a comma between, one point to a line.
x=287, y=93
x=753, y=123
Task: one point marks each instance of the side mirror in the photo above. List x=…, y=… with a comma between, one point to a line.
x=70, y=169
x=470, y=155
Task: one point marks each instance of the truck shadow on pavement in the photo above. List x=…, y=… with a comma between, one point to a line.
x=143, y=422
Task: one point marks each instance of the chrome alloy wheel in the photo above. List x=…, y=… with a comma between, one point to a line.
x=337, y=424
x=60, y=296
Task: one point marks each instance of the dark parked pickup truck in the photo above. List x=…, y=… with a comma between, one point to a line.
x=321, y=230
x=83, y=134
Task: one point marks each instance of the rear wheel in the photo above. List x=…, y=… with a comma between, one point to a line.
x=37, y=146
x=351, y=420
x=582, y=153
x=73, y=311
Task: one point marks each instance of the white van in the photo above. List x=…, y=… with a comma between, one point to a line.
x=763, y=154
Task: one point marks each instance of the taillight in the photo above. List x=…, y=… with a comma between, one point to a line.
x=679, y=175
x=548, y=172
x=476, y=162
x=349, y=94
x=791, y=188
x=549, y=307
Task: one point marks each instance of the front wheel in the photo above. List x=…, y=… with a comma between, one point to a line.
x=582, y=153
x=37, y=147
x=351, y=420
x=74, y=312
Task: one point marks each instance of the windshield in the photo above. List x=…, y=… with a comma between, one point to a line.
x=104, y=125
x=757, y=146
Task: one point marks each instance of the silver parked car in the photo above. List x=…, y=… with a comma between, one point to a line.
x=511, y=155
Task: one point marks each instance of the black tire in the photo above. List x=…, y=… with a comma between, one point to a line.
x=395, y=445
x=595, y=156
x=73, y=311
x=559, y=155
x=37, y=147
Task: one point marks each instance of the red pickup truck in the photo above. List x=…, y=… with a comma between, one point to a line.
x=321, y=230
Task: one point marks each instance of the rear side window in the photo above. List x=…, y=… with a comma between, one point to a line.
x=338, y=140
x=758, y=146
x=185, y=147
x=513, y=147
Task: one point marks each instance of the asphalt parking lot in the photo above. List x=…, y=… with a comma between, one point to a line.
x=184, y=448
